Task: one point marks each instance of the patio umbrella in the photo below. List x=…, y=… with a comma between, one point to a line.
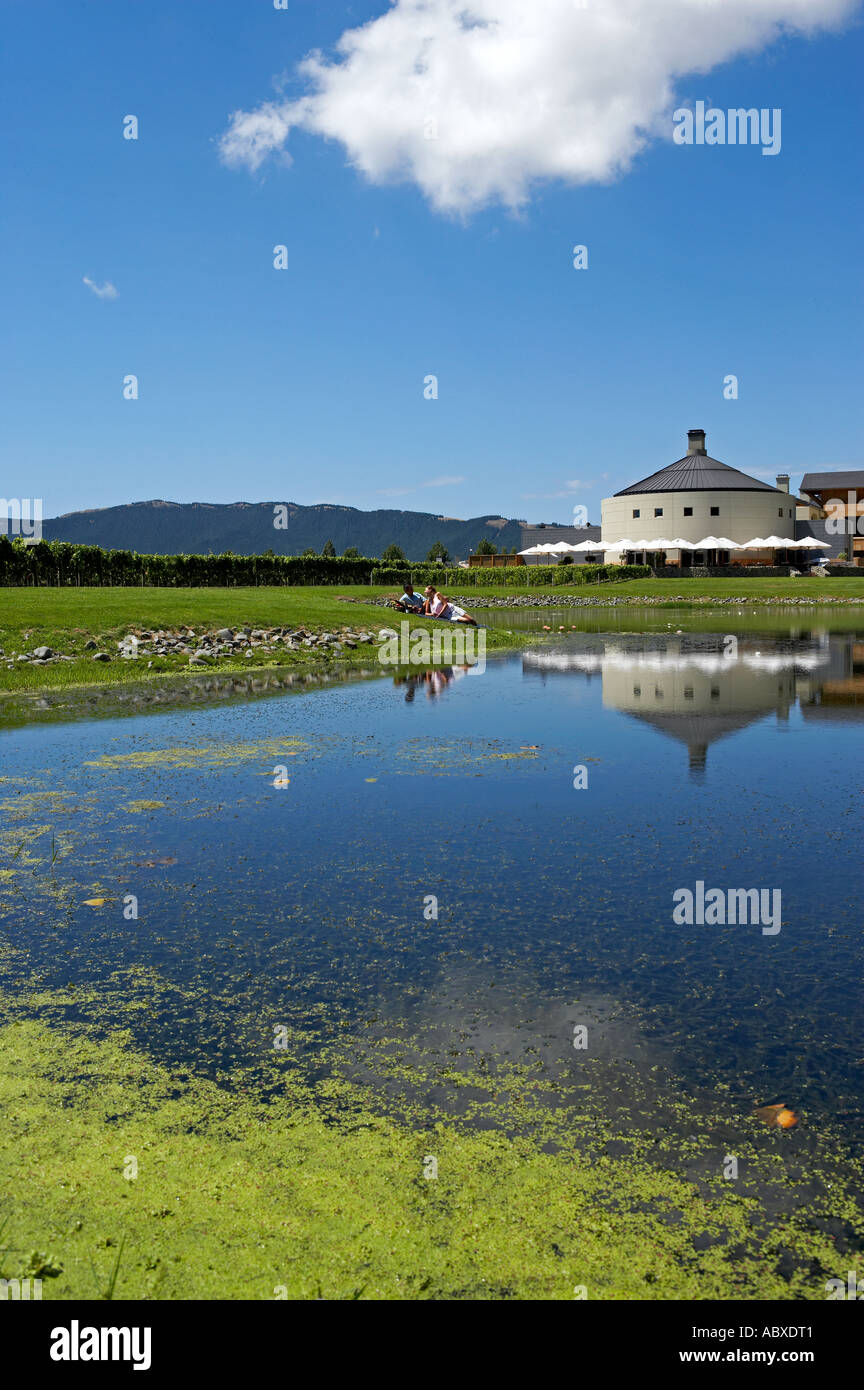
x=681, y=544
x=811, y=543
x=717, y=543
x=535, y=550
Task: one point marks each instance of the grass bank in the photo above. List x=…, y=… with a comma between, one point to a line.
x=65, y=619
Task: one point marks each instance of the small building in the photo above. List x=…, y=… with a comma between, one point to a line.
x=478, y=561
x=550, y=533
x=835, y=504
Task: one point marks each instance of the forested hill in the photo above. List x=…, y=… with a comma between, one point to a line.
x=246, y=528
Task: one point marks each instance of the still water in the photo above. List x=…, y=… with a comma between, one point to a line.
x=427, y=868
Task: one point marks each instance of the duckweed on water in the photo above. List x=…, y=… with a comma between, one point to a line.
x=318, y=1194
x=210, y=755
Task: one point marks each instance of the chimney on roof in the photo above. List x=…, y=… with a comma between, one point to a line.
x=782, y=482
x=696, y=442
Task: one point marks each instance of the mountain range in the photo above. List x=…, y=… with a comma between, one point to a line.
x=247, y=528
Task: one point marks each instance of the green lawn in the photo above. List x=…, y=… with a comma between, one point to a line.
x=670, y=589
x=65, y=619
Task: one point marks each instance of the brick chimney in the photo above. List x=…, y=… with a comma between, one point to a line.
x=783, y=482
x=696, y=442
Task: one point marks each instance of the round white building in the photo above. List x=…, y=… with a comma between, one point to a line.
x=694, y=498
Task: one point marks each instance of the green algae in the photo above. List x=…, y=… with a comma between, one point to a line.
x=444, y=756
x=210, y=755
x=281, y=1185
x=232, y=1201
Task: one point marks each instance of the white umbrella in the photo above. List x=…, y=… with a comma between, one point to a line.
x=717, y=543
x=623, y=545
x=811, y=543
x=661, y=543
x=680, y=544
x=588, y=545
x=767, y=543
x=535, y=550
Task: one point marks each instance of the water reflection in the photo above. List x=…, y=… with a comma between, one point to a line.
x=433, y=682
x=701, y=687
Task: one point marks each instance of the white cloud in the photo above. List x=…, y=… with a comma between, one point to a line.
x=573, y=485
x=477, y=100
x=442, y=482
x=106, y=291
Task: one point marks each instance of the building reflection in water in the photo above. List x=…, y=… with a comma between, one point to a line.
x=701, y=687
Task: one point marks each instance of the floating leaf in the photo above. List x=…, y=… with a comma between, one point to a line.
x=776, y=1116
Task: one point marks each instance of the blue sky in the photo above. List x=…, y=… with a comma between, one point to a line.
x=556, y=386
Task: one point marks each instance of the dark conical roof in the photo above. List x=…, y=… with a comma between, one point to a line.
x=697, y=473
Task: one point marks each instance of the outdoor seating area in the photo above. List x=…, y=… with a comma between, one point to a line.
x=709, y=552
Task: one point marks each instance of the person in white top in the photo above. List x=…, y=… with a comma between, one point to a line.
x=443, y=608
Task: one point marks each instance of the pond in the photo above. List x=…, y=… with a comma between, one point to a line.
x=473, y=867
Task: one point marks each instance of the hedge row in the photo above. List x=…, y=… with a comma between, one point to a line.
x=510, y=577
x=61, y=563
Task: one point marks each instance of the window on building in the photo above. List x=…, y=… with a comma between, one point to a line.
x=779, y=511
x=636, y=511
x=637, y=691
x=715, y=511
x=688, y=511
x=658, y=511
x=715, y=692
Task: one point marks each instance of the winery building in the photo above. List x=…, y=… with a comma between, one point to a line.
x=696, y=498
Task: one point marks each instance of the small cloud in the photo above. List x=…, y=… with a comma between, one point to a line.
x=571, y=486
x=394, y=491
x=106, y=291
x=442, y=482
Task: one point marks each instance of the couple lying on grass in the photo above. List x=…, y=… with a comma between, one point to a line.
x=433, y=604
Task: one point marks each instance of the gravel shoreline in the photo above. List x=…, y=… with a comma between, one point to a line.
x=646, y=601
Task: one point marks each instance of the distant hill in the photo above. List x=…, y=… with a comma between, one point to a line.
x=246, y=528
